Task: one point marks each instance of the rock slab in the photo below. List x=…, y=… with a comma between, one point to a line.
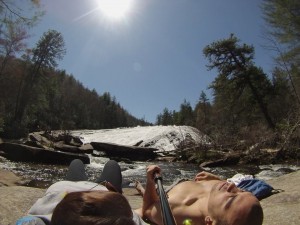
x=281, y=208
x=15, y=201
x=284, y=207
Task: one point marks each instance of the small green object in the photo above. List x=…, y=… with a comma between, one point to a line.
x=187, y=222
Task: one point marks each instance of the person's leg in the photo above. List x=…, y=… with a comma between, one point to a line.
x=76, y=171
x=139, y=187
x=112, y=174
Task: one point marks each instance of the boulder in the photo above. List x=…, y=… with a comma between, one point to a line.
x=35, y=144
x=20, y=152
x=69, y=139
x=76, y=141
x=37, y=137
x=66, y=148
x=86, y=148
x=125, y=151
x=8, y=178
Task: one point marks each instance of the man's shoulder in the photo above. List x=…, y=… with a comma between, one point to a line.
x=204, y=176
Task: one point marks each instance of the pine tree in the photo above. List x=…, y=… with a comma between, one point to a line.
x=237, y=73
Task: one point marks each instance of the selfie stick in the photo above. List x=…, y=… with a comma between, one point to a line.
x=166, y=212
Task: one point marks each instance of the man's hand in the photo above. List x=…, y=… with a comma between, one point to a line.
x=152, y=170
x=206, y=176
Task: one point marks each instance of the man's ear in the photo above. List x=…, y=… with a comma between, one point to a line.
x=208, y=220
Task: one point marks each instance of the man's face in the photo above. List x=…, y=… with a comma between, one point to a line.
x=229, y=203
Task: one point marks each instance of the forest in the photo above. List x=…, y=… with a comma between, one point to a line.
x=35, y=95
x=248, y=106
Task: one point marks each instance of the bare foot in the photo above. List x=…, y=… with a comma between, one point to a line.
x=139, y=187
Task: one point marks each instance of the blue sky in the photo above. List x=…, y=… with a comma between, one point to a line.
x=151, y=58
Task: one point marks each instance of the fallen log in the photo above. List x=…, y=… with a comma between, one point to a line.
x=229, y=160
x=125, y=151
x=25, y=153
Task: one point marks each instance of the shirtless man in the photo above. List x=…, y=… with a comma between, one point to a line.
x=207, y=200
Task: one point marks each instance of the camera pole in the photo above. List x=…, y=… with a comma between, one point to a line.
x=166, y=212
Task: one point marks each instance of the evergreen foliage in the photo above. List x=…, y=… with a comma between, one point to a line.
x=57, y=102
x=249, y=106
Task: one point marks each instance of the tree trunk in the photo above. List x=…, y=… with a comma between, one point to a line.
x=261, y=104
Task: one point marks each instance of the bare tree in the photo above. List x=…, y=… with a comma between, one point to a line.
x=11, y=42
x=14, y=26
x=9, y=11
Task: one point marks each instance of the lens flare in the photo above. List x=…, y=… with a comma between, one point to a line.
x=187, y=222
x=115, y=9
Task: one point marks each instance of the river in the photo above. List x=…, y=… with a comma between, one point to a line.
x=42, y=175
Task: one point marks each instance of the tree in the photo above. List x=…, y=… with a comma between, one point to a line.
x=202, y=112
x=49, y=49
x=185, y=115
x=237, y=72
x=283, y=18
x=166, y=118
x=11, y=42
x=11, y=12
x=282, y=99
x=14, y=27
x=15, y=20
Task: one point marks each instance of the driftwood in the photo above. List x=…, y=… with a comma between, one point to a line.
x=125, y=151
x=20, y=152
x=229, y=160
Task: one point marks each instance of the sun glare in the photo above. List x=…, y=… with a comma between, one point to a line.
x=115, y=9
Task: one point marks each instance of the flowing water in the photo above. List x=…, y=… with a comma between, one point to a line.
x=43, y=175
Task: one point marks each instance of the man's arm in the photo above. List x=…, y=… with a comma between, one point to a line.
x=150, y=198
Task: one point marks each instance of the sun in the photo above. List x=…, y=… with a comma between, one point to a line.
x=115, y=9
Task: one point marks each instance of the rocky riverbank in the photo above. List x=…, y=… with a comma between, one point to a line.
x=161, y=143
x=281, y=208
x=134, y=144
